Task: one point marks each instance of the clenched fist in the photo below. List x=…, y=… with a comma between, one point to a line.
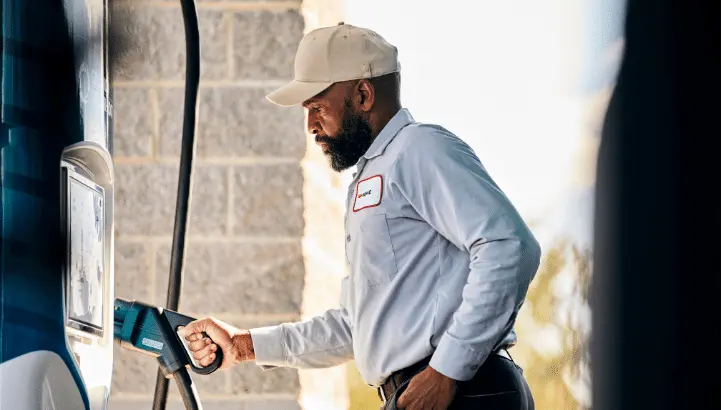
x=236, y=344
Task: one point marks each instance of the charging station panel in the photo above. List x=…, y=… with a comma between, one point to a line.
x=85, y=266
x=87, y=224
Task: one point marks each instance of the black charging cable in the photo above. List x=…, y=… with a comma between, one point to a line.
x=183, y=200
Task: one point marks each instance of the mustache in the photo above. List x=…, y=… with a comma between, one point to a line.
x=325, y=140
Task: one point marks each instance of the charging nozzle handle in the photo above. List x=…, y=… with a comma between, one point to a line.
x=177, y=321
x=158, y=332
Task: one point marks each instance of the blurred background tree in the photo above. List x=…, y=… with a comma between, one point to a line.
x=362, y=396
x=553, y=328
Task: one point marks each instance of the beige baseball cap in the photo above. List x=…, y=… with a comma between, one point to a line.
x=329, y=55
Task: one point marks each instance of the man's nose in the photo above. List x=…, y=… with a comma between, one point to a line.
x=313, y=126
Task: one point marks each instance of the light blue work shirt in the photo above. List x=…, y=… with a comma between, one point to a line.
x=440, y=262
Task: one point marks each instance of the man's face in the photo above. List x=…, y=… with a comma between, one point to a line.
x=339, y=129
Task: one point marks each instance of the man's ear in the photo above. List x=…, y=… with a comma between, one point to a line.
x=364, y=95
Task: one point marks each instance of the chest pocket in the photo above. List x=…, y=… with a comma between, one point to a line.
x=378, y=265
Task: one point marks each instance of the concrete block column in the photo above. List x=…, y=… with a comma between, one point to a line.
x=245, y=262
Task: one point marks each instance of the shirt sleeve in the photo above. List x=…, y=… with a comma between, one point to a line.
x=322, y=341
x=445, y=183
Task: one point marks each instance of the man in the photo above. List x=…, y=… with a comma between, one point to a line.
x=440, y=261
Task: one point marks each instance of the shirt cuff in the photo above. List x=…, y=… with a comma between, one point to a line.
x=455, y=360
x=268, y=345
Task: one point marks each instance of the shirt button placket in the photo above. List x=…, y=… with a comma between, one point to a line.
x=351, y=202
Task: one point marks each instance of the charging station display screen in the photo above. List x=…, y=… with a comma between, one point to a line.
x=86, y=263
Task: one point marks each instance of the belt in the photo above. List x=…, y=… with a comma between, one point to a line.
x=395, y=380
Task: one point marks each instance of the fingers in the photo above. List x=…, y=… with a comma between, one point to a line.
x=402, y=401
x=194, y=337
x=205, y=351
x=195, y=327
x=199, y=344
x=208, y=360
x=404, y=398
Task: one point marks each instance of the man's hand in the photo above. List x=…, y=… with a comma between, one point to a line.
x=428, y=390
x=236, y=344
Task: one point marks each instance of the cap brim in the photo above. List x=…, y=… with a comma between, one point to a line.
x=296, y=92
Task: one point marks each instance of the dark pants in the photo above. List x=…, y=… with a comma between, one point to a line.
x=498, y=385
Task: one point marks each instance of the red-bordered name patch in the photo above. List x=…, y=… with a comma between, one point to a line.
x=368, y=193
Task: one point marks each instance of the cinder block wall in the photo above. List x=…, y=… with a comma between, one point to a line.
x=244, y=260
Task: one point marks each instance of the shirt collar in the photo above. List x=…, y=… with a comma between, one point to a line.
x=386, y=135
